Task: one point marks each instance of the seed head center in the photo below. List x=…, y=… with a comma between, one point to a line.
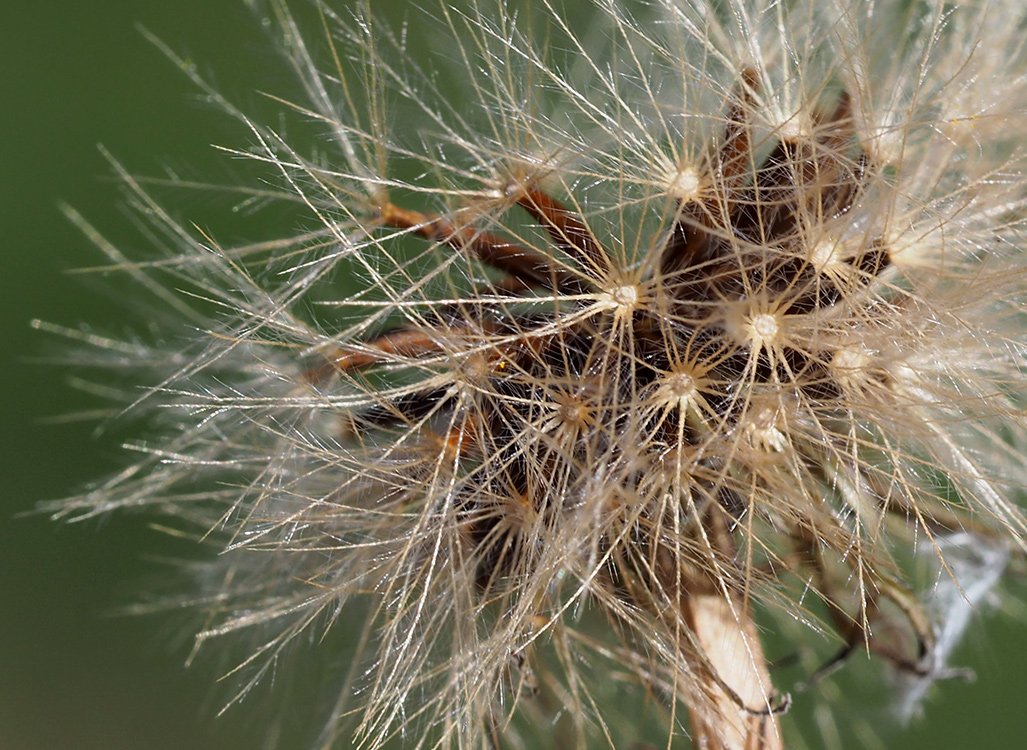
x=684, y=185
x=849, y=359
x=764, y=434
x=624, y=297
x=825, y=253
x=681, y=384
x=763, y=328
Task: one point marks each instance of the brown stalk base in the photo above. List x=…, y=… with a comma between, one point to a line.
x=746, y=719
x=732, y=704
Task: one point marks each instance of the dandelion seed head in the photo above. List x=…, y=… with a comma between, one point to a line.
x=762, y=429
x=851, y=367
x=680, y=385
x=762, y=328
x=624, y=298
x=826, y=255
x=684, y=184
x=692, y=316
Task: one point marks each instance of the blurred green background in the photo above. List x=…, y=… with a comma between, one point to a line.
x=72, y=673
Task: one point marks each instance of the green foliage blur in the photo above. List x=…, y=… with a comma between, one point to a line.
x=74, y=673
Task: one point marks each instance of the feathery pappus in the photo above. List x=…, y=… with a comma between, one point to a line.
x=622, y=354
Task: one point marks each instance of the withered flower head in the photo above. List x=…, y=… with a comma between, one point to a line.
x=664, y=328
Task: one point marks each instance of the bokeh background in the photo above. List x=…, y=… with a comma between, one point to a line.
x=75, y=674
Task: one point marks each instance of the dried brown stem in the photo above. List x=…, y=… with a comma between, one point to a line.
x=736, y=152
x=565, y=228
x=532, y=268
